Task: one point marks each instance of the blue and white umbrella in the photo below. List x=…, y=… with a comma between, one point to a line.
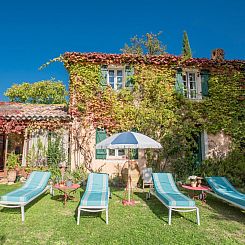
x=128, y=140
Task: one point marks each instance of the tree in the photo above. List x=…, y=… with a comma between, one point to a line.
x=146, y=44
x=186, y=49
x=42, y=92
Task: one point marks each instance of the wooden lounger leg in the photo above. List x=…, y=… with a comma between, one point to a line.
x=78, y=216
x=22, y=213
x=198, y=217
x=169, y=216
x=107, y=216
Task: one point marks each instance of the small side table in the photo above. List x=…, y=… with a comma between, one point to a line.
x=67, y=190
x=201, y=196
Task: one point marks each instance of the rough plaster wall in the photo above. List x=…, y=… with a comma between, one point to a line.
x=218, y=145
x=84, y=141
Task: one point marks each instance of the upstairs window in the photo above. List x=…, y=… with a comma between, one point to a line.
x=117, y=77
x=192, y=83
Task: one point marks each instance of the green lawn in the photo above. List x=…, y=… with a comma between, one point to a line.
x=48, y=222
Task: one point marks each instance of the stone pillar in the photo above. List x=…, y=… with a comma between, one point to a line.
x=25, y=149
x=6, y=153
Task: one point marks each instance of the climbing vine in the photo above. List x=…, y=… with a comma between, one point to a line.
x=154, y=108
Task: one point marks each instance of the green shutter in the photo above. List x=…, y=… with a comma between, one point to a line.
x=104, y=71
x=204, y=80
x=100, y=135
x=129, y=71
x=179, y=85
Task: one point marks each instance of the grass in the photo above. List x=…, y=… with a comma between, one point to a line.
x=49, y=222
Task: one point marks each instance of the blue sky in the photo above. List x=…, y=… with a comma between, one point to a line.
x=32, y=32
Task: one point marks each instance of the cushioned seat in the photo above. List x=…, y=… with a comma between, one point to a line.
x=35, y=185
x=94, y=199
x=176, y=199
x=96, y=195
x=166, y=189
x=21, y=195
x=167, y=192
x=226, y=191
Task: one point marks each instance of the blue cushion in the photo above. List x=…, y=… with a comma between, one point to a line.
x=167, y=191
x=222, y=187
x=97, y=182
x=94, y=199
x=35, y=184
x=97, y=189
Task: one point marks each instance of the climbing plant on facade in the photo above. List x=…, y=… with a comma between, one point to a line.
x=152, y=106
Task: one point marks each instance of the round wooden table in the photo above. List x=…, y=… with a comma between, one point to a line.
x=201, y=188
x=67, y=190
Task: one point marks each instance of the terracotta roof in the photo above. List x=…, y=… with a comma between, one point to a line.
x=34, y=112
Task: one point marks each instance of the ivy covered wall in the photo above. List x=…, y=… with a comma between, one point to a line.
x=153, y=106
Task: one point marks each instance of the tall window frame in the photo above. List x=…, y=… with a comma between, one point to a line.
x=192, y=84
x=116, y=77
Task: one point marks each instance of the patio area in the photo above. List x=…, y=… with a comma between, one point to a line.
x=49, y=222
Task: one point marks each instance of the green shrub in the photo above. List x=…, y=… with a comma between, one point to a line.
x=232, y=167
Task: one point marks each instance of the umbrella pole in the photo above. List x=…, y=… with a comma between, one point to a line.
x=129, y=176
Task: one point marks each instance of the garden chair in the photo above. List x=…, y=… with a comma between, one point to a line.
x=36, y=184
x=224, y=190
x=147, y=178
x=168, y=194
x=96, y=195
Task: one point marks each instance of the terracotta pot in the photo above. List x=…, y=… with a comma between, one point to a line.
x=11, y=175
x=134, y=173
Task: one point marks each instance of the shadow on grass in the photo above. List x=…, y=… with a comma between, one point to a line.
x=2, y=239
x=160, y=210
x=222, y=210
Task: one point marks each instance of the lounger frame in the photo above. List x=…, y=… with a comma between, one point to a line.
x=225, y=200
x=21, y=205
x=182, y=209
x=92, y=209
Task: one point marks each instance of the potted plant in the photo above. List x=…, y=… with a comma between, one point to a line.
x=69, y=178
x=12, y=164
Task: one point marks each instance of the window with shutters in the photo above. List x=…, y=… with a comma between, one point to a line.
x=117, y=77
x=192, y=84
x=107, y=153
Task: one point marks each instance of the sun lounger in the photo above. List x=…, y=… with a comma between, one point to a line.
x=96, y=196
x=224, y=190
x=35, y=185
x=167, y=193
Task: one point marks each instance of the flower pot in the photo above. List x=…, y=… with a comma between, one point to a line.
x=11, y=175
x=69, y=183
